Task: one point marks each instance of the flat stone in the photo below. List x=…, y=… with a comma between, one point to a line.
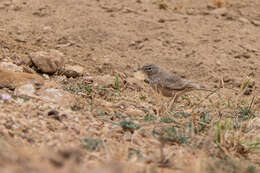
x=25, y=90
x=56, y=95
x=12, y=80
x=73, y=71
x=11, y=67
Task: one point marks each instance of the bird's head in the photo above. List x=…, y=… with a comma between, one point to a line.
x=150, y=69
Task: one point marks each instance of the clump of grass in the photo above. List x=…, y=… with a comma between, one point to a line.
x=167, y=119
x=143, y=97
x=221, y=129
x=75, y=107
x=79, y=88
x=182, y=114
x=149, y=117
x=88, y=89
x=246, y=112
x=205, y=120
x=171, y=134
x=92, y=144
x=129, y=125
x=136, y=152
x=117, y=86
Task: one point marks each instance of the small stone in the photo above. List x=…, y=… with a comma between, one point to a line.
x=11, y=67
x=20, y=38
x=218, y=62
x=89, y=79
x=161, y=21
x=227, y=79
x=25, y=90
x=54, y=114
x=47, y=77
x=219, y=11
x=5, y=97
x=73, y=71
x=243, y=55
x=48, y=62
x=255, y=22
x=243, y=20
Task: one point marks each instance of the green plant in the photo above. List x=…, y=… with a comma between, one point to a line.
x=75, y=107
x=88, y=89
x=149, y=117
x=182, y=114
x=246, y=111
x=117, y=86
x=129, y=125
x=92, y=143
x=143, y=97
x=222, y=128
x=167, y=119
x=205, y=119
x=136, y=152
x=171, y=134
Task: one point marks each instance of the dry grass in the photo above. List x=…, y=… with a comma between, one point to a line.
x=200, y=133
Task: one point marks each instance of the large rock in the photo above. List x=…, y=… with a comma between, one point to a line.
x=12, y=80
x=72, y=70
x=48, y=62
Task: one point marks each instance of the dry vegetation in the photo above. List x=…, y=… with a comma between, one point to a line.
x=125, y=127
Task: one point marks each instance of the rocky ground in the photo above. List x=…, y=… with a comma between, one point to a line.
x=70, y=100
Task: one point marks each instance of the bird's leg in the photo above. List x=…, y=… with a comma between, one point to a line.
x=156, y=98
x=172, y=101
x=175, y=97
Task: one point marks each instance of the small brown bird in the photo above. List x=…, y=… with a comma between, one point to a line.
x=166, y=83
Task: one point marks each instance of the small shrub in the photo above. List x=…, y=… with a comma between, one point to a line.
x=149, y=117
x=92, y=144
x=129, y=125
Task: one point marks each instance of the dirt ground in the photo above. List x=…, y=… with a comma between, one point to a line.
x=215, y=47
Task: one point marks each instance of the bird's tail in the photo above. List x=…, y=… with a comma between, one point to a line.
x=198, y=87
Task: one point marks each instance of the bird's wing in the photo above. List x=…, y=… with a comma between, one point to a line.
x=175, y=82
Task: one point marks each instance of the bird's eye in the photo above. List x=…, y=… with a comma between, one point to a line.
x=149, y=68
